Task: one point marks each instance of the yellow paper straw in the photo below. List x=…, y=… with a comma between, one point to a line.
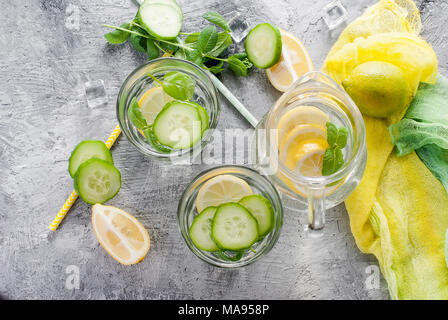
x=74, y=196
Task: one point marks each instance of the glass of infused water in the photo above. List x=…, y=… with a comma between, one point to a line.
x=312, y=145
x=166, y=107
x=230, y=216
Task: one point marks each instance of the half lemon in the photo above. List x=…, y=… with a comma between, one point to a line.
x=120, y=234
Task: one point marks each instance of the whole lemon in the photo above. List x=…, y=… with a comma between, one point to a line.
x=378, y=88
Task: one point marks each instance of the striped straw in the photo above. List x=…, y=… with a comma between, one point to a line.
x=74, y=195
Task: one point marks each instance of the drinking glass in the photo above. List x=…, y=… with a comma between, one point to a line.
x=314, y=194
x=187, y=211
x=138, y=82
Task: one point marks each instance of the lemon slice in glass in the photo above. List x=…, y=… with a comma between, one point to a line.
x=298, y=116
x=221, y=189
x=152, y=102
x=307, y=157
x=300, y=134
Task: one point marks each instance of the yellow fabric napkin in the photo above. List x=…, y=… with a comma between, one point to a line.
x=399, y=211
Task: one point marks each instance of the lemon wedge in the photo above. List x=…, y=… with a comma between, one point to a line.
x=298, y=116
x=120, y=234
x=152, y=102
x=221, y=189
x=294, y=62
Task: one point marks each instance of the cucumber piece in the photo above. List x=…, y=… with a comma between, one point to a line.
x=234, y=227
x=97, y=181
x=262, y=210
x=162, y=20
x=178, y=125
x=200, y=230
x=263, y=45
x=173, y=2
x=86, y=150
x=224, y=255
x=203, y=114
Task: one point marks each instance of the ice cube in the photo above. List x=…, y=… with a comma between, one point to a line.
x=95, y=93
x=239, y=28
x=334, y=14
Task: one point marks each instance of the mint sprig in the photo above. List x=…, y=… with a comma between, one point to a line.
x=204, y=48
x=333, y=158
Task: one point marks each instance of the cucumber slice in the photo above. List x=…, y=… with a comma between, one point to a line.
x=234, y=227
x=264, y=45
x=173, y=2
x=162, y=20
x=178, y=125
x=262, y=210
x=97, y=181
x=230, y=255
x=203, y=114
x=200, y=230
x=86, y=150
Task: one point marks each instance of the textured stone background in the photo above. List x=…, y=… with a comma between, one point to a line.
x=44, y=64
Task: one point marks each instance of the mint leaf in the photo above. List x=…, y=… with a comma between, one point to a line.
x=178, y=85
x=223, y=42
x=338, y=158
x=333, y=158
x=216, y=68
x=151, y=138
x=151, y=50
x=136, y=116
x=341, y=140
x=192, y=37
x=237, y=66
x=168, y=46
x=118, y=36
x=328, y=162
x=332, y=134
x=217, y=19
x=194, y=56
x=244, y=59
x=207, y=39
x=138, y=42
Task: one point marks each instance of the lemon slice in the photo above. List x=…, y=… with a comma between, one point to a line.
x=307, y=157
x=299, y=134
x=221, y=189
x=300, y=115
x=120, y=234
x=294, y=62
x=152, y=102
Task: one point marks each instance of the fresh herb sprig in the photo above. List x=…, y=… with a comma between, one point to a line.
x=333, y=158
x=205, y=48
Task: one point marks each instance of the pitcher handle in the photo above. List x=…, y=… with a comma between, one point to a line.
x=316, y=211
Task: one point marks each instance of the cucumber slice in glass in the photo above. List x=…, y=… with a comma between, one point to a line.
x=234, y=227
x=200, y=230
x=264, y=45
x=86, y=150
x=262, y=210
x=162, y=20
x=203, y=114
x=97, y=181
x=178, y=125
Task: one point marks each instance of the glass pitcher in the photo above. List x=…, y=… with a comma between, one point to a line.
x=316, y=193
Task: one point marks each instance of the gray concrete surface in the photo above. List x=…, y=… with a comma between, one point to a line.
x=46, y=57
